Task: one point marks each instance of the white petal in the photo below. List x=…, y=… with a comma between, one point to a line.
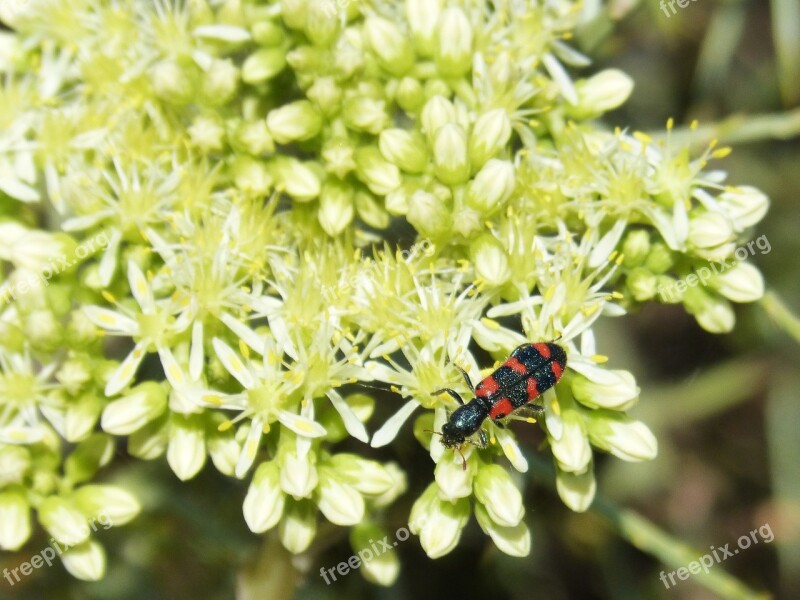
x=301, y=425
x=242, y=331
x=125, y=372
x=351, y=423
x=233, y=364
x=389, y=430
x=511, y=450
x=171, y=368
x=111, y=320
x=250, y=448
x=108, y=263
x=225, y=33
x=140, y=288
x=196, y=352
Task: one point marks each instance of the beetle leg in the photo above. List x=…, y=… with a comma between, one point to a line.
x=466, y=378
x=528, y=412
x=452, y=393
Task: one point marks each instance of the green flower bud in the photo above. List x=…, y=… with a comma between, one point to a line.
x=368, y=477
x=326, y=95
x=437, y=112
x=745, y=206
x=601, y=93
x=150, y=441
x=339, y=157
x=135, y=409
x=450, y=158
x=621, y=436
x=297, y=179
x=172, y=83
x=642, y=284
x=709, y=230
x=381, y=569
x=571, y=449
x=422, y=16
x=294, y=13
x=86, y=561
x=514, y=541
x=305, y=59
x=263, y=64
x=370, y=211
x=714, y=314
x=298, y=526
x=453, y=52
x=264, y=503
x=453, y=480
x=15, y=519
x=659, y=259
x=576, y=490
x=379, y=175
x=220, y=82
x=186, y=450
x=389, y=45
x=251, y=175
x=267, y=33
x=502, y=500
x=409, y=95
x=207, y=134
x=438, y=523
x=299, y=476
x=14, y=464
x=335, y=207
x=490, y=260
x=607, y=388
x=492, y=186
x=365, y=114
x=404, y=149
x=114, y=503
x=63, y=520
x=635, y=248
x=742, y=283
x=294, y=122
x=42, y=330
x=340, y=503
x=91, y=454
x=489, y=136
x=321, y=28
x=428, y=214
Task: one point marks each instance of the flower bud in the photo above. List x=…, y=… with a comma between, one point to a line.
x=15, y=519
x=335, y=207
x=710, y=229
x=365, y=114
x=135, y=409
x=86, y=562
x=495, y=489
x=91, y=454
x=453, y=480
x=113, y=503
x=490, y=135
x=428, y=214
x=321, y=27
x=368, y=477
x=437, y=112
x=514, y=541
x=635, y=248
x=404, y=149
x=340, y=503
x=298, y=526
x=263, y=64
x=571, y=449
x=601, y=93
x=326, y=95
x=207, y=134
x=267, y=33
x=220, y=82
x=264, y=502
x=605, y=388
x=379, y=175
x=224, y=452
x=621, y=436
x=490, y=260
x=299, y=476
x=14, y=464
x=576, y=490
x=742, y=283
x=339, y=157
x=297, y=178
x=253, y=137
x=379, y=568
x=438, y=523
x=171, y=82
x=63, y=520
x=294, y=13
x=371, y=211
x=294, y=122
x=450, y=158
x=492, y=186
x=453, y=51
x=659, y=259
x=186, y=451
x=251, y=175
x=744, y=205
x=409, y=95
x=423, y=16
x=714, y=314
x=642, y=284
x=389, y=45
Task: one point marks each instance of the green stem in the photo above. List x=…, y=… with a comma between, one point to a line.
x=649, y=538
x=739, y=129
x=780, y=314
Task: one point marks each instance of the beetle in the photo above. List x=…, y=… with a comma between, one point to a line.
x=529, y=371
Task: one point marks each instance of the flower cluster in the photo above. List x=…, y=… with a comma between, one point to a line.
x=253, y=166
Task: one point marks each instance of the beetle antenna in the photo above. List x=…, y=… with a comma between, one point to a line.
x=463, y=460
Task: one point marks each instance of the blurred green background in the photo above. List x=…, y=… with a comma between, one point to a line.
x=726, y=409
